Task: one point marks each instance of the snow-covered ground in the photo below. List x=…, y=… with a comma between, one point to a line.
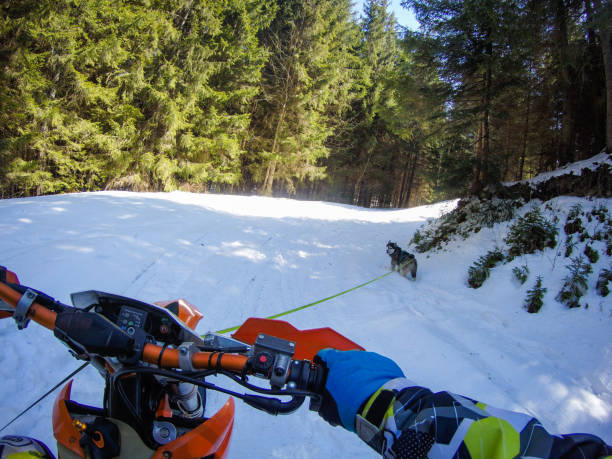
x=238, y=257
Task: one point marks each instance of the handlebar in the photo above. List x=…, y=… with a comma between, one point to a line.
x=151, y=352
x=200, y=360
x=90, y=333
x=37, y=312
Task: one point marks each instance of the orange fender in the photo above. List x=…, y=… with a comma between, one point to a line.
x=189, y=314
x=63, y=429
x=212, y=437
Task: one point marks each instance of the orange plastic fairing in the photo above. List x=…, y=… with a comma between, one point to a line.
x=63, y=429
x=211, y=438
x=13, y=279
x=189, y=314
x=307, y=342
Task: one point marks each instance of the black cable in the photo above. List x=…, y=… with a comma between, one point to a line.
x=183, y=377
x=210, y=358
x=159, y=359
x=126, y=400
x=45, y=395
x=169, y=374
x=218, y=365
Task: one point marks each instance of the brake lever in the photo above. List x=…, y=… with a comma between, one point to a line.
x=273, y=406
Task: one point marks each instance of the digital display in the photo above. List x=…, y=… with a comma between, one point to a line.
x=130, y=319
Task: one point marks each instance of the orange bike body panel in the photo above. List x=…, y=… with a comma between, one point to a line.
x=211, y=438
x=12, y=278
x=189, y=314
x=307, y=342
x=63, y=429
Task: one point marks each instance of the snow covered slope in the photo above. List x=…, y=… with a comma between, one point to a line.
x=237, y=257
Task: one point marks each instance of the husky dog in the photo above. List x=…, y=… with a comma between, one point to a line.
x=402, y=260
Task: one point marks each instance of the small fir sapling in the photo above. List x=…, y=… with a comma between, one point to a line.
x=521, y=273
x=574, y=211
x=479, y=271
x=529, y=233
x=569, y=246
x=600, y=212
x=535, y=297
x=575, y=283
x=605, y=276
x=591, y=254
x=573, y=224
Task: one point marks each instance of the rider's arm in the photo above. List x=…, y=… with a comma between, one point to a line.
x=401, y=419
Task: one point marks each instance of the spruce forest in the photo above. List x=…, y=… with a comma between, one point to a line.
x=299, y=98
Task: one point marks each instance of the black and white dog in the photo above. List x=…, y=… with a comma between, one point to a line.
x=401, y=260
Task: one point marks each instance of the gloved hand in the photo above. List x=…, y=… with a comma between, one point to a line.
x=352, y=377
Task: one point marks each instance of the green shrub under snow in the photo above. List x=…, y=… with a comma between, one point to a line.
x=575, y=283
x=535, y=297
x=470, y=216
x=605, y=277
x=591, y=253
x=479, y=271
x=569, y=246
x=521, y=273
x=529, y=233
x=600, y=213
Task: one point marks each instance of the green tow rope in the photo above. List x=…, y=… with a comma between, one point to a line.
x=275, y=316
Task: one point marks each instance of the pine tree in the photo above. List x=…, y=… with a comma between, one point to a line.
x=575, y=283
x=126, y=95
x=307, y=75
x=480, y=50
x=366, y=147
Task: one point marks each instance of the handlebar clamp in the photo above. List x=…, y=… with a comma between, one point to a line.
x=23, y=307
x=185, y=353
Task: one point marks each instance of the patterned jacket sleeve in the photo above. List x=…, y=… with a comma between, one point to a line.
x=404, y=420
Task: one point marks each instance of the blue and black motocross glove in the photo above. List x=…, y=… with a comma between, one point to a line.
x=352, y=377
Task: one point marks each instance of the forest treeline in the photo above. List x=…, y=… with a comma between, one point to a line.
x=299, y=98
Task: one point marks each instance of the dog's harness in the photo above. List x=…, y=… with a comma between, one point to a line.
x=402, y=257
x=405, y=256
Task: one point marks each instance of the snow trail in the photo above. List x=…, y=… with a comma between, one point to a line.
x=238, y=257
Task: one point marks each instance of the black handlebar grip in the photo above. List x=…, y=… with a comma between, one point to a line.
x=91, y=333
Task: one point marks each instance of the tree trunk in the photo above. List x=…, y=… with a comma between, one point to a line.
x=359, y=181
x=605, y=36
x=607, y=50
x=271, y=169
x=482, y=175
x=406, y=199
x=525, y=135
x=486, y=152
x=401, y=187
x=566, y=75
x=269, y=180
